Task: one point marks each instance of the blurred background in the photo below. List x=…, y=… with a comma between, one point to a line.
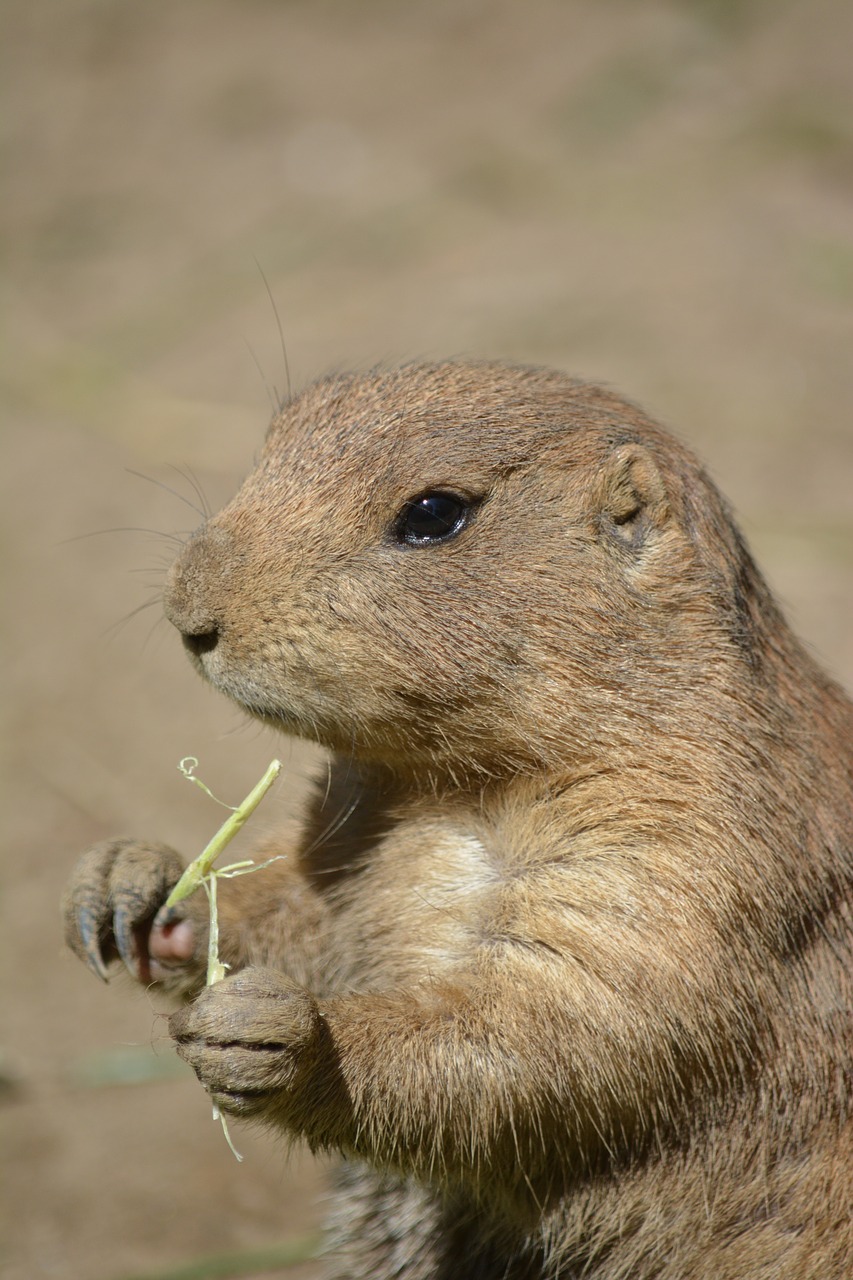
x=656, y=194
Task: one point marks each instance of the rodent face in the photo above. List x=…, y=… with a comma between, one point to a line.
x=448, y=564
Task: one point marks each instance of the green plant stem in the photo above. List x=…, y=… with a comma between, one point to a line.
x=202, y=873
x=201, y=866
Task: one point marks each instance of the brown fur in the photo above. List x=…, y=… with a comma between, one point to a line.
x=560, y=962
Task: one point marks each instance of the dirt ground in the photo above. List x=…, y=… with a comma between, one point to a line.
x=654, y=194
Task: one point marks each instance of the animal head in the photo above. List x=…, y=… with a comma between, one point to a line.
x=463, y=566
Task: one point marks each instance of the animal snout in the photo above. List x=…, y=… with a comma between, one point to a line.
x=195, y=590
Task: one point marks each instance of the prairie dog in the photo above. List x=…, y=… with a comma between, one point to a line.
x=560, y=961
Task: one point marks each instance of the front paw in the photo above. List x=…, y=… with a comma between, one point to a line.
x=249, y=1038
x=109, y=910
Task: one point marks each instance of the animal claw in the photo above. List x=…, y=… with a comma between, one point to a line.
x=124, y=940
x=90, y=935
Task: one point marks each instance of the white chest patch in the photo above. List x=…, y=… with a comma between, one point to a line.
x=422, y=903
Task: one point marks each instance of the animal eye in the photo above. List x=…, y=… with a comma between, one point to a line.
x=433, y=517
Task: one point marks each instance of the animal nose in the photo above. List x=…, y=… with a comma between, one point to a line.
x=200, y=642
x=192, y=586
x=186, y=609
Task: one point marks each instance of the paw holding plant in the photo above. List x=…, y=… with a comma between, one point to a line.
x=246, y=1035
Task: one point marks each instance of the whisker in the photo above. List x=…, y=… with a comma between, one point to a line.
x=328, y=790
x=342, y=817
x=187, y=473
x=140, y=608
x=160, y=484
x=164, y=563
x=152, y=631
x=273, y=398
x=178, y=538
x=244, y=724
x=281, y=337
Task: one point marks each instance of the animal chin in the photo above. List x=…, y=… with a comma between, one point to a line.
x=270, y=709
x=277, y=718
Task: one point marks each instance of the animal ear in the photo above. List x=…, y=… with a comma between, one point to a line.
x=632, y=492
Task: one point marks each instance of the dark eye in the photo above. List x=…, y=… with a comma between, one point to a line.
x=432, y=517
